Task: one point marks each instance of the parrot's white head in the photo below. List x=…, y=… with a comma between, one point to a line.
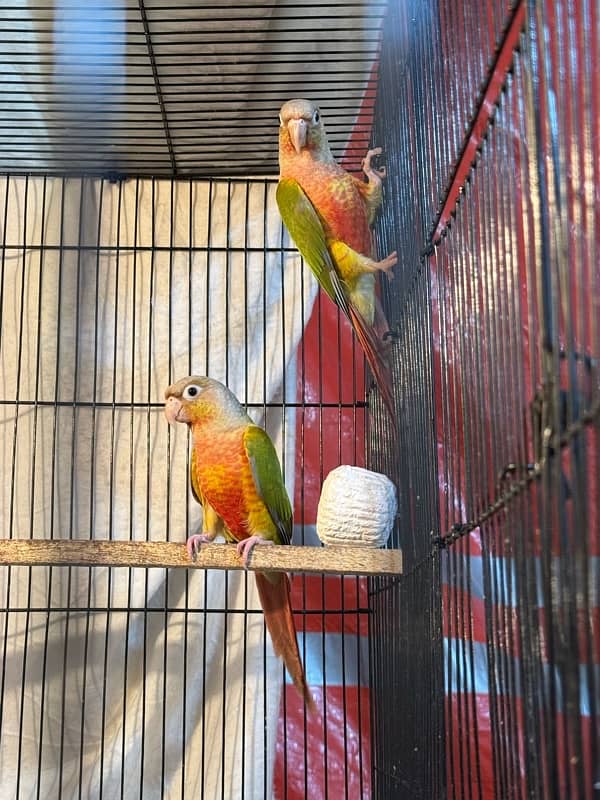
x=301, y=125
x=197, y=399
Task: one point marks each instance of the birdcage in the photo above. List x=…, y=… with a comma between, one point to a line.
x=141, y=242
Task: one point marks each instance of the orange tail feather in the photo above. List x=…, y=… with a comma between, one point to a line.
x=377, y=356
x=274, y=593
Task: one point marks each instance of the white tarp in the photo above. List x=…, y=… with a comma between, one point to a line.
x=103, y=304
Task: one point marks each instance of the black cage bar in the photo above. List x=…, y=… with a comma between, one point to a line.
x=497, y=319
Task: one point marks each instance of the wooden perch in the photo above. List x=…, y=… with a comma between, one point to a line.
x=104, y=553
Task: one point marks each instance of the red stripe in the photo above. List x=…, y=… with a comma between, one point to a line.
x=464, y=618
x=482, y=120
x=330, y=370
x=361, y=132
x=463, y=615
x=465, y=753
x=469, y=759
x=587, y=622
x=326, y=762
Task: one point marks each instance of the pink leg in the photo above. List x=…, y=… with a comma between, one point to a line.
x=244, y=548
x=387, y=264
x=194, y=543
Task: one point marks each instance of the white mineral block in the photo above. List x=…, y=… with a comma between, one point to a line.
x=356, y=507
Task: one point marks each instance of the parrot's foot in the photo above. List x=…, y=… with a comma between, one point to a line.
x=387, y=264
x=194, y=543
x=371, y=172
x=244, y=548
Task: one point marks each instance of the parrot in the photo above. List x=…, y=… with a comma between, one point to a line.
x=236, y=477
x=328, y=213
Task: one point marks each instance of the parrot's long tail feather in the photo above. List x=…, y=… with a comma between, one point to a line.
x=377, y=356
x=274, y=593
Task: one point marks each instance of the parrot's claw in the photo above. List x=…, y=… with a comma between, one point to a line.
x=245, y=547
x=387, y=265
x=194, y=543
x=366, y=164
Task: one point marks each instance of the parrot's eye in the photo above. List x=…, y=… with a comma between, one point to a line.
x=191, y=392
x=316, y=117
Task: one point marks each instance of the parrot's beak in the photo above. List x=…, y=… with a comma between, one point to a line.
x=298, y=129
x=173, y=408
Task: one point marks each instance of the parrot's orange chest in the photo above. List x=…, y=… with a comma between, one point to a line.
x=335, y=195
x=224, y=476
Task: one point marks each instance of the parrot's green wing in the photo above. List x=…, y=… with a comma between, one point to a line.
x=306, y=229
x=266, y=471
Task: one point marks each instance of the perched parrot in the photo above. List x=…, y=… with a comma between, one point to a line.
x=328, y=213
x=236, y=478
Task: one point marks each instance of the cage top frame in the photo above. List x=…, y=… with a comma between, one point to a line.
x=148, y=88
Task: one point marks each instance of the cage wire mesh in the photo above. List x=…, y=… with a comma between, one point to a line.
x=474, y=674
x=176, y=88
x=144, y=682
x=495, y=216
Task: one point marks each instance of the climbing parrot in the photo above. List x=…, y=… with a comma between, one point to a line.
x=236, y=478
x=328, y=213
